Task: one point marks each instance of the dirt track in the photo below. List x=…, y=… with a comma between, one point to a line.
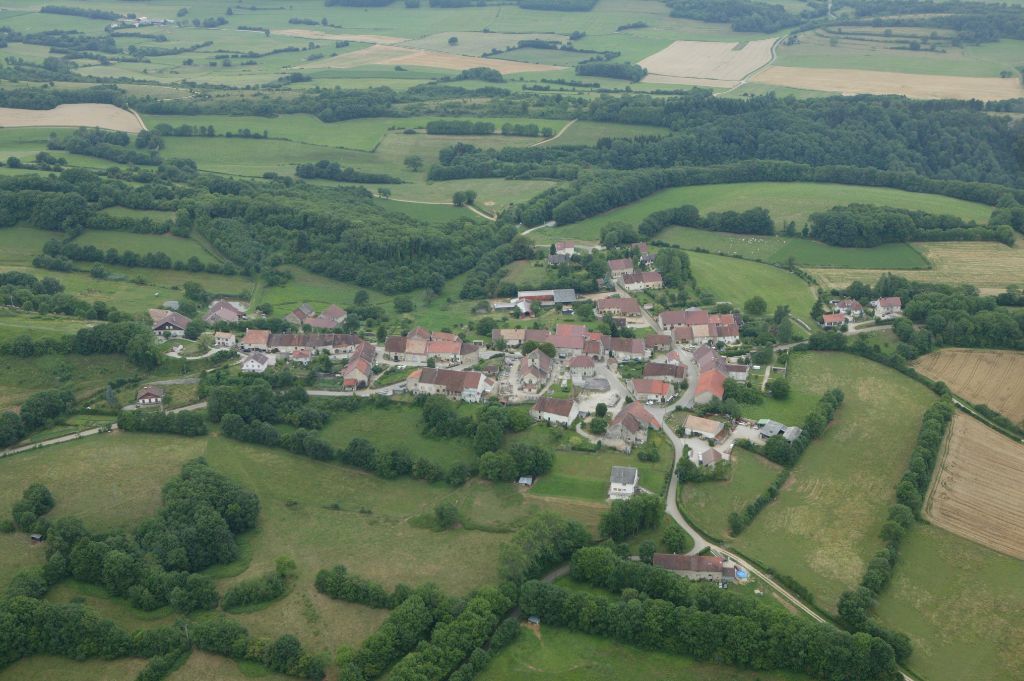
x=73, y=115
x=991, y=377
x=977, y=489
x=389, y=54
x=918, y=86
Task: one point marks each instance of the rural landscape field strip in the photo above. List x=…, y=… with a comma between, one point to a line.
x=976, y=492
x=105, y=116
x=991, y=377
x=919, y=86
x=727, y=63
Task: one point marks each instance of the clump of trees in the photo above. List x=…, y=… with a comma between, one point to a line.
x=230, y=639
x=330, y=170
x=618, y=70
x=263, y=589
x=629, y=517
x=541, y=543
x=178, y=423
x=863, y=226
x=752, y=221
x=36, y=501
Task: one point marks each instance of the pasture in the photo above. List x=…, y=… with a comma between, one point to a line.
x=72, y=116
x=823, y=527
x=960, y=603
x=38, y=326
x=976, y=489
x=991, y=377
x=785, y=201
x=554, y=653
x=708, y=504
x=18, y=245
x=989, y=266
x=735, y=281
x=392, y=55
x=176, y=248
x=23, y=376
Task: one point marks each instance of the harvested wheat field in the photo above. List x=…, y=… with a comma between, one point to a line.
x=991, y=377
x=976, y=492
x=72, y=116
x=355, y=38
x=702, y=63
x=391, y=55
x=917, y=86
x=989, y=266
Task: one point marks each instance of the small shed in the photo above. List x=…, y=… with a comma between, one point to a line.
x=526, y=481
x=36, y=538
x=534, y=620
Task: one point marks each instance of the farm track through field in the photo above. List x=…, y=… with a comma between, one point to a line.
x=552, y=139
x=991, y=377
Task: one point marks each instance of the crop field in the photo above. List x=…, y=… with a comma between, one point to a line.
x=72, y=115
x=917, y=86
x=691, y=62
x=735, y=280
x=960, y=603
x=823, y=527
x=991, y=377
x=177, y=248
x=553, y=653
x=976, y=490
x=392, y=55
x=989, y=266
x=780, y=249
x=708, y=504
x=404, y=426
x=785, y=201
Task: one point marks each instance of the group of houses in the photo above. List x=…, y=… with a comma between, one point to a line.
x=573, y=340
x=634, y=278
x=713, y=370
x=421, y=345
x=304, y=316
x=694, y=326
x=631, y=425
x=334, y=344
x=524, y=300
x=848, y=310
x=228, y=311
x=468, y=386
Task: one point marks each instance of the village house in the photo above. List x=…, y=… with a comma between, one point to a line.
x=709, y=457
x=555, y=410
x=631, y=424
x=299, y=315
x=534, y=370
x=421, y=345
x=335, y=344
x=556, y=259
x=709, y=359
x=670, y=319
x=618, y=307
x=567, y=345
x=886, y=308
x=652, y=390
x=257, y=363
x=168, y=323
x=710, y=385
x=301, y=356
x=581, y=368
x=849, y=307
x=623, y=483
x=228, y=311
x=698, y=426
x=658, y=342
x=702, y=334
x=469, y=386
x=833, y=320
x=224, y=339
x=673, y=373
x=304, y=316
x=620, y=266
x=565, y=248
x=625, y=349
x=256, y=339
x=149, y=395
x=697, y=568
x=646, y=257
x=512, y=338
x=642, y=281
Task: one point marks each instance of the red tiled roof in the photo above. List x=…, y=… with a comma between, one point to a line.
x=256, y=337
x=682, y=563
x=651, y=386
x=620, y=264
x=642, y=278
x=712, y=382
x=626, y=305
x=553, y=405
x=634, y=417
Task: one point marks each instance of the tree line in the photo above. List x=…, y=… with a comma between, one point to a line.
x=752, y=221
x=330, y=170
x=56, y=252
x=861, y=225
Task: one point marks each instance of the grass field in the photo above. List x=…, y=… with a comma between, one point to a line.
x=961, y=605
x=990, y=377
x=554, y=653
x=175, y=247
x=708, y=504
x=18, y=245
x=976, y=489
x=807, y=252
x=824, y=525
x=589, y=132
x=44, y=667
x=21, y=377
x=989, y=266
x=786, y=201
x=38, y=326
x=403, y=431
x=734, y=280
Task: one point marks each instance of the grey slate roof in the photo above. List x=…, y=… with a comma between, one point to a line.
x=623, y=475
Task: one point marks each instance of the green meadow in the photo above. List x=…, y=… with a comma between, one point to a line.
x=177, y=248
x=734, y=280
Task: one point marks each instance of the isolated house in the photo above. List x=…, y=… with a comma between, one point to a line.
x=849, y=307
x=555, y=410
x=149, y=394
x=168, y=323
x=632, y=423
x=623, y=482
x=833, y=320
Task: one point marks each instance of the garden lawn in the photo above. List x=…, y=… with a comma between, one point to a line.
x=823, y=527
x=400, y=427
x=961, y=604
x=554, y=653
x=735, y=281
x=708, y=504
